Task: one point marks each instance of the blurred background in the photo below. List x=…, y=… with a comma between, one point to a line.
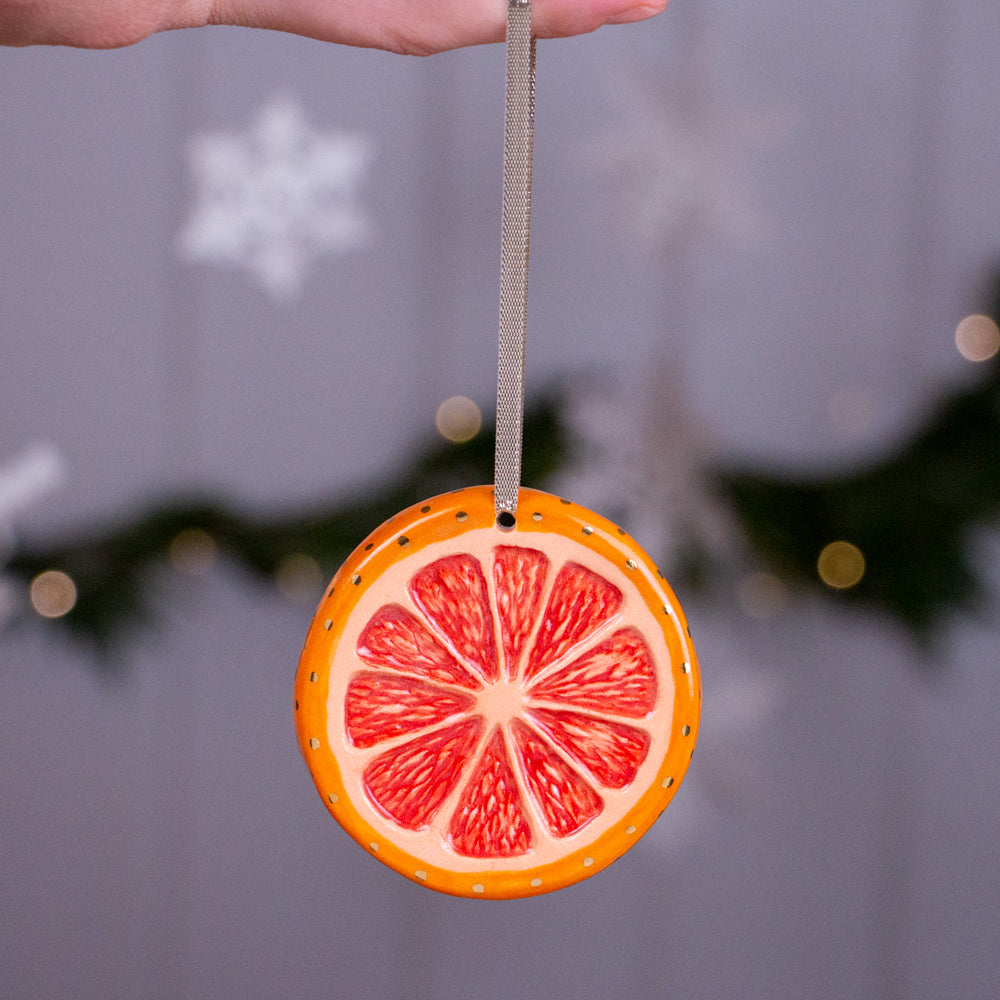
x=252, y=267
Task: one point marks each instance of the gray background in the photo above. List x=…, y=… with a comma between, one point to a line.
x=837, y=834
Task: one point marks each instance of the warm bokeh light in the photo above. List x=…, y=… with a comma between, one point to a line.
x=841, y=565
x=851, y=410
x=977, y=338
x=299, y=578
x=458, y=419
x=761, y=595
x=53, y=593
x=192, y=551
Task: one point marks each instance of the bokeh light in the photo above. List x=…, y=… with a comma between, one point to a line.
x=841, y=565
x=53, y=593
x=458, y=419
x=192, y=551
x=977, y=338
x=761, y=595
x=851, y=410
x=299, y=578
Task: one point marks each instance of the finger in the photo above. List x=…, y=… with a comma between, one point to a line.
x=414, y=27
x=563, y=18
x=409, y=27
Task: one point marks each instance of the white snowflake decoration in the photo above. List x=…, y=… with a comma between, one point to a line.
x=646, y=453
x=644, y=458
x=677, y=164
x=275, y=198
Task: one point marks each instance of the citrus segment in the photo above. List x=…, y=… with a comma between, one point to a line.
x=580, y=603
x=519, y=574
x=395, y=639
x=410, y=782
x=501, y=712
x=451, y=593
x=616, y=677
x=489, y=821
x=379, y=707
x=611, y=752
x=567, y=802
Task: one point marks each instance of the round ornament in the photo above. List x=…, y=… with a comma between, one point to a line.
x=497, y=706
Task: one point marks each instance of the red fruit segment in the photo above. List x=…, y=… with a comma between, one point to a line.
x=567, y=802
x=610, y=751
x=616, y=677
x=378, y=707
x=395, y=639
x=451, y=592
x=489, y=820
x=581, y=601
x=409, y=782
x=519, y=574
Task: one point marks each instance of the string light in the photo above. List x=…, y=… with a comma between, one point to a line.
x=977, y=338
x=52, y=593
x=841, y=565
x=192, y=551
x=299, y=578
x=761, y=595
x=851, y=410
x=458, y=419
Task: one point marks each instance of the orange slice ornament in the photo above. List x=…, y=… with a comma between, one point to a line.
x=497, y=712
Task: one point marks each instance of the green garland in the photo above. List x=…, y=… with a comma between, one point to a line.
x=911, y=514
x=114, y=568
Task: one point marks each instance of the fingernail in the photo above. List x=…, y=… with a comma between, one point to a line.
x=637, y=12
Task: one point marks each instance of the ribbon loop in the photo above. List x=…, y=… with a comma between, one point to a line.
x=519, y=127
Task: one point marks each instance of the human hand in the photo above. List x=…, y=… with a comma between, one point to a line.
x=412, y=27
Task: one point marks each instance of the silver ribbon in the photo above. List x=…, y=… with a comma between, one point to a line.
x=519, y=129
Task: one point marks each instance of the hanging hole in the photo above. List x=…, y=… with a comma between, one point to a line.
x=506, y=520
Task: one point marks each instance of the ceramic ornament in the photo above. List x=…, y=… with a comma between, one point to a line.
x=497, y=712
x=498, y=693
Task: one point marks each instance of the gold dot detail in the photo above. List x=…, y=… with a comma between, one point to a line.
x=588, y=530
x=631, y=564
x=587, y=862
x=479, y=887
x=356, y=579
x=536, y=516
x=685, y=730
x=313, y=677
x=403, y=541
x=422, y=875
x=424, y=510
x=374, y=846
x=630, y=830
x=334, y=798
x=328, y=624
x=461, y=516
x=535, y=883
x=666, y=783
x=314, y=743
